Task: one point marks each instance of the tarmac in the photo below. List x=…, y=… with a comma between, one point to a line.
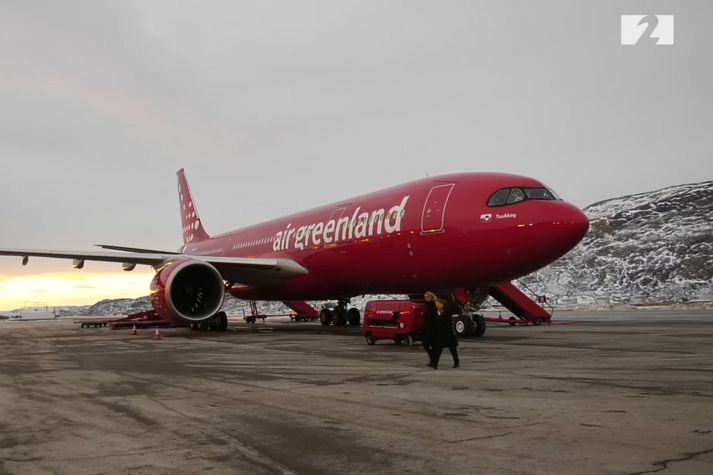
x=619, y=393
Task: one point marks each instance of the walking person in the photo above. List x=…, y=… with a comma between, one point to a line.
x=445, y=337
x=428, y=329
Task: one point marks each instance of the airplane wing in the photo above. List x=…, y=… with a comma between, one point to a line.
x=133, y=249
x=252, y=271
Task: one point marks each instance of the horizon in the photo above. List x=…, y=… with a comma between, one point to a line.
x=68, y=289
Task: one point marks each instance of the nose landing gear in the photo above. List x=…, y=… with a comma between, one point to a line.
x=469, y=324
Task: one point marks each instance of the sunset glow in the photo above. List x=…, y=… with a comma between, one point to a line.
x=75, y=288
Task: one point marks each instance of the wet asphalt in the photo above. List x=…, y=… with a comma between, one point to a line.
x=620, y=393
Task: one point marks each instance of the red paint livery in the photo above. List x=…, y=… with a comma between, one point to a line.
x=447, y=237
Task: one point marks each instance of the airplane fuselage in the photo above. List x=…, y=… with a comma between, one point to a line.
x=434, y=233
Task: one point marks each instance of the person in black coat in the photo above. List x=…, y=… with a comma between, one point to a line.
x=428, y=329
x=445, y=337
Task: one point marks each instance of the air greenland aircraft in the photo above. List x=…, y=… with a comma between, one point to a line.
x=469, y=232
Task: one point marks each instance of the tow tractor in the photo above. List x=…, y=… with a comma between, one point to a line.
x=397, y=320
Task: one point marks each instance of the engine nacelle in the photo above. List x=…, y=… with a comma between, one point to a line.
x=188, y=290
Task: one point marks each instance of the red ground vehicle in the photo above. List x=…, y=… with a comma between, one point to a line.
x=148, y=319
x=397, y=320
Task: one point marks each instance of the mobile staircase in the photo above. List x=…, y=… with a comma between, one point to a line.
x=528, y=310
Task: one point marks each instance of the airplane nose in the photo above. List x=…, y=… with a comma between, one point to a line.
x=573, y=224
x=560, y=227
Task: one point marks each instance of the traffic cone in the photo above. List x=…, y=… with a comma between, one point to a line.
x=157, y=335
x=134, y=331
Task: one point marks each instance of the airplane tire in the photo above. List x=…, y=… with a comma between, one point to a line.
x=354, y=317
x=406, y=340
x=463, y=326
x=480, y=326
x=370, y=340
x=340, y=316
x=325, y=316
x=222, y=321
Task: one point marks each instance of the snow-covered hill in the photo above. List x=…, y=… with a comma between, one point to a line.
x=651, y=247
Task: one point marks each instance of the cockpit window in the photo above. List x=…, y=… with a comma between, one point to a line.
x=499, y=197
x=554, y=193
x=510, y=196
x=516, y=195
x=539, y=194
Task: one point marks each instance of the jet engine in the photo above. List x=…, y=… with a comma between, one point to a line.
x=188, y=290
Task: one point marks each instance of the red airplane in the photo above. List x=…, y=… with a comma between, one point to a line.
x=467, y=232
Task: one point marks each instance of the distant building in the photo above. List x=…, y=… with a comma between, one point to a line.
x=37, y=313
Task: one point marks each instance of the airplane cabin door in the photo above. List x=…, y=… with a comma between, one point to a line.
x=434, y=209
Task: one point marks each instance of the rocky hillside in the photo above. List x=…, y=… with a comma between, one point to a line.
x=654, y=247
x=119, y=306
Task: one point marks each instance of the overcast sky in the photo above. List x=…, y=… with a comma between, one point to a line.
x=275, y=107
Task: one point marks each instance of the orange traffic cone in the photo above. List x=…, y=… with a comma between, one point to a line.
x=157, y=335
x=134, y=331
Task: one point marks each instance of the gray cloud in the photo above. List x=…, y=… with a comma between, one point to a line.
x=274, y=107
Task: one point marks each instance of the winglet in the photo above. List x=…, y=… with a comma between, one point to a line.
x=193, y=230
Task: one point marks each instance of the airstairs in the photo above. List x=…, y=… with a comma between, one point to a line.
x=535, y=311
x=303, y=310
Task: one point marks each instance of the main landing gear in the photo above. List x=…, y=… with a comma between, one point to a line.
x=339, y=315
x=218, y=322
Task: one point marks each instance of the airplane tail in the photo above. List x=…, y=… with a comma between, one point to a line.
x=193, y=230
